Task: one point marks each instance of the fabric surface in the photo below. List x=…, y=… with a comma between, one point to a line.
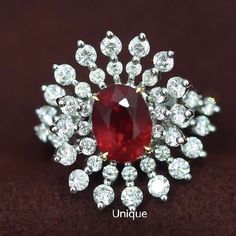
x=34, y=196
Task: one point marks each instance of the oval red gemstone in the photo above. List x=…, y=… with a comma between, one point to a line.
x=121, y=123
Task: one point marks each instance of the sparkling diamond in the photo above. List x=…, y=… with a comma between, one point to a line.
x=132, y=196
x=46, y=114
x=83, y=90
x=129, y=173
x=209, y=107
x=84, y=128
x=147, y=164
x=78, y=180
x=171, y=136
x=87, y=146
x=148, y=78
x=66, y=154
x=86, y=109
x=121, y=123
x=193, y=148
x=97, y=76
x=202, y=126
x=52, y=92
x=178, y=116
x=158, y=186
x=191, y=99
x=133, y=69
x=42, y=132
x=64, y=74
x=103, y=194
x=95, y=162
x=65, y=127
x=111, y=46
x=159, y=113
x=157, y=95
x=69, y=105
x=114, y=68
x=86, y=55
x=56, y=141
x=163, y=61
x=138, y=47
x=158, y=131
x=110, y=172
x=162, y=152
x=179, y=168
x=176, y=87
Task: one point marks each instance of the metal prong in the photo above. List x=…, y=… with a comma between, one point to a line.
x=203, y=154
x=181, y=140
x=188, y=177
x=189, y=113
x=132, y=208
x=135, y=60
x=73, y=190
x=170, y=53
x=164, y=198
x=57, y=158
x=217, y=109
x=154, y=71
x=44, y=87
x=53, y=129
x=170, y=160
x=104, y=156
x=100, y=205
x=60, y=102
x=80, y=44
x=148, y=149
x=139, y=89
x=166, y=113
x=212, y=128
x=185, y=83
x=142, y=36
x=54, y=66
x=109, y=34
x=95, y=97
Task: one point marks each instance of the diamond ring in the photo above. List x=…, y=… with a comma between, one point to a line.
x=124, y=122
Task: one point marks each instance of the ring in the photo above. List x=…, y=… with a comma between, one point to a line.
x=124, y=122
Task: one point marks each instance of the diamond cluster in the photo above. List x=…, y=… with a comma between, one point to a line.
x=175, y=111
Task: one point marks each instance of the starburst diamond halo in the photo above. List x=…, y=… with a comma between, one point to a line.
x=122, y=123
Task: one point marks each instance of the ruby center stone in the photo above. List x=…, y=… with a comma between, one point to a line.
x=121, y=123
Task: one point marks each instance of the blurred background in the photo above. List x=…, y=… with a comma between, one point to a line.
x=34, y=196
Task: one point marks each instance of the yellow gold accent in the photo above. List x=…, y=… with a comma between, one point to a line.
x=104, y=156
x=148, y=149
x=139, y=89
x=95, y=97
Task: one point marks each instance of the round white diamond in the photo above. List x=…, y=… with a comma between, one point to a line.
x=111, y=46
x=97, y=76
x=103, y=194
x=147, y=164
x=162, y=152
x=176, y=87
x=193, y=148
x=133, y=69
x=209, y=107
x=132, y=196
x=157, y=95
x=66, y=154
x=158, y=186
x=64, y=74
x=86, y=109
x=65, y=127
x=171, y=136
x=87, y=146
x=110, y=172
x=158, y=131
x=129, y=173
x=114, y=68
x=86, y=55
x=159, y=113
x=83, y=90
x=178, y=114
x=52, y=92
x=95, y=162
x=69, y=105
x=78, y=180
x=191, y=99
x=84, y=128
x=139, y=48
x=202, y=126
x=46, y=114
x=179, y=168
x=163, y=61
x=42, y=132
x=148, y=78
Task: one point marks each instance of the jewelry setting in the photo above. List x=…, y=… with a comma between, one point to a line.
x=123, y=123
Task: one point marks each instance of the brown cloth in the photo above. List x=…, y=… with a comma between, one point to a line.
x=34, y=196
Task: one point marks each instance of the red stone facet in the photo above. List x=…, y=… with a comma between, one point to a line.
x=121, y=123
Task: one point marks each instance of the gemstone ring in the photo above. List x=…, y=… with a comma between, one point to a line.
x=124, y=121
